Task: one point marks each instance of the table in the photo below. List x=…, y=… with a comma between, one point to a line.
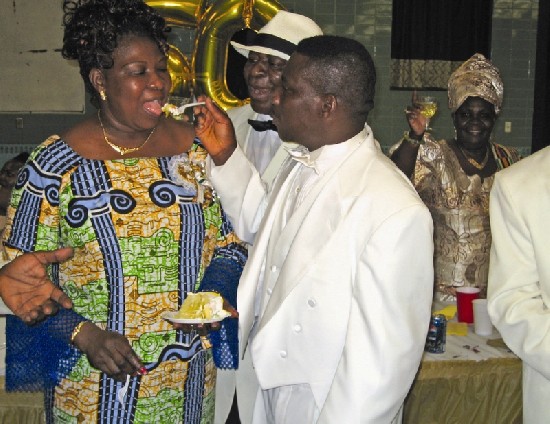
x=472, y=382
x=21, y=407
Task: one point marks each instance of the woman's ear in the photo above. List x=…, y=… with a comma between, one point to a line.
x=97, y=79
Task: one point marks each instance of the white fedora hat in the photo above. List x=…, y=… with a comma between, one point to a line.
x=280, y=36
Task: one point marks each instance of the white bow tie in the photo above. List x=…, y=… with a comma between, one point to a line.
x=301, y=154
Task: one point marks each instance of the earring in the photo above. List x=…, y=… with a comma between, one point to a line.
x=103, y=95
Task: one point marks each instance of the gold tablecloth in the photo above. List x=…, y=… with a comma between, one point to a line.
x=20, y=407
x=462, y=392
x=476, y=381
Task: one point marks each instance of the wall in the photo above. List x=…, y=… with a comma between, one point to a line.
x=32, y=72
x=513, y=52
x=369, y=21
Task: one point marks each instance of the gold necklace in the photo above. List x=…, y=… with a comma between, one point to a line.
x=478, y=165
x=119, y=149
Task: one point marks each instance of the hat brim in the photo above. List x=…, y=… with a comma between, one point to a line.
x=244, y=50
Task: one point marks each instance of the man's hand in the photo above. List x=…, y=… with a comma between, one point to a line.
x=215, y=130
x=26, y=288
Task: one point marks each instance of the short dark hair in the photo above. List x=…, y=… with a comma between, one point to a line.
x=93, y=29
x=343, y=67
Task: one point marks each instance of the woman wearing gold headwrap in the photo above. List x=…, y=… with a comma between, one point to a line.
x=454, y=177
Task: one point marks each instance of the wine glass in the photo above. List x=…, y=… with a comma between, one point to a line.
x=428, y=108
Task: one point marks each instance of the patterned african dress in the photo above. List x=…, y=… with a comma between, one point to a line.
x=459, y=204
x=145, y=233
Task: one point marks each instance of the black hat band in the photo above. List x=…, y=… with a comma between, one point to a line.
x=273, y=42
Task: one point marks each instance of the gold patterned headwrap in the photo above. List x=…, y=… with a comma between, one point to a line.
x=477, y=77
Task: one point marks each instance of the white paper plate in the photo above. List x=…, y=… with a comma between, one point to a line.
x=171, y=316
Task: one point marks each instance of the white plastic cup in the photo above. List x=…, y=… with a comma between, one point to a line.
x=482, y=322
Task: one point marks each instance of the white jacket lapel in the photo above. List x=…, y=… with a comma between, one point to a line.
x=249, y=279
x=301, y=240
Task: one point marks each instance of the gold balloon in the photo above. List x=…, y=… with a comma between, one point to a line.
x=179, y=13
x=180, y=73
x=216, y=27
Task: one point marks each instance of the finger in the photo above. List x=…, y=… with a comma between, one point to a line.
x=120, y=377
x=414, y=97
x=30, y=318
x=202, y=329
x=61, y=298
x=229, y=308
x=50, y=307
x=215, y=326
x=217, y=112
x=130, y=362
x=106, y=359
x=186, y=328
x=54, y=256
x=234, y=313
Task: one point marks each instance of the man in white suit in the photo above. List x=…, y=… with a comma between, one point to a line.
x=334, y=302
x=519, y=274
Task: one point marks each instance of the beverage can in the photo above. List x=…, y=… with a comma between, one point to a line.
x=437, y=334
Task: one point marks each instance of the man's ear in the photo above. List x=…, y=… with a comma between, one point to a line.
x=97, y=79
x=329, y=104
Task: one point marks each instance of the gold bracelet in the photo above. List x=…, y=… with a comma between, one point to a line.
x=414, y=141
x=77, y=330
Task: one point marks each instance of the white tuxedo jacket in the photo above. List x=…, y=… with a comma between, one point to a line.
x=350, y=309
x=519, y=274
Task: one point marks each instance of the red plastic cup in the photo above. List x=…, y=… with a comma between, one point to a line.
x=464, y=298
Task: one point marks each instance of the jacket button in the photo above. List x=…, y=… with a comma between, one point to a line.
x=311, y=303
x=297, y=328
x=283, y=354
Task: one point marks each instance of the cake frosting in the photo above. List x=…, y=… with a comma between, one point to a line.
x=202, y=305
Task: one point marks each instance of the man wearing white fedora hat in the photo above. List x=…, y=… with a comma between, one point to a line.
x=267, y=54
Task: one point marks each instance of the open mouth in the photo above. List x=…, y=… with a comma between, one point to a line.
x=154, y=107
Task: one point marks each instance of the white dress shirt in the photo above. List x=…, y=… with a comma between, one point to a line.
x=262, y=146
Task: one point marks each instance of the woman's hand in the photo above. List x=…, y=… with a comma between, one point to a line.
x=26, y=287
x=417, y=121
x=108, y=351
x=215, y=130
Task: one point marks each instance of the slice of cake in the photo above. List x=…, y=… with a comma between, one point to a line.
x=202, y=305
x=173, y=111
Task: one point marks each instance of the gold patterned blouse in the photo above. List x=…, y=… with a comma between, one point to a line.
x=459, y=204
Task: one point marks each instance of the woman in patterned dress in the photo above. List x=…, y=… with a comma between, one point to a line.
x=454, y=177
x=126, y=189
